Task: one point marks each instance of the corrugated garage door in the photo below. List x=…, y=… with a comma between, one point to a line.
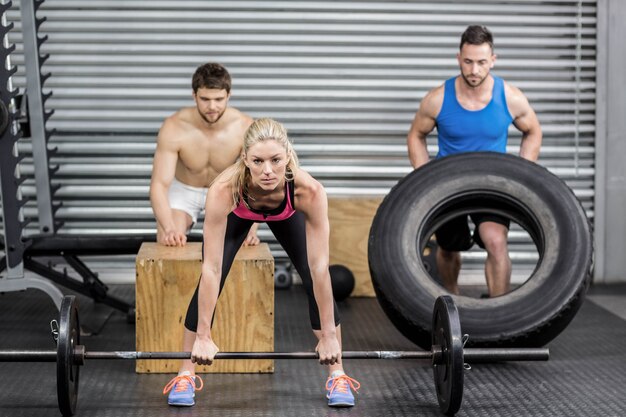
x=346, y=77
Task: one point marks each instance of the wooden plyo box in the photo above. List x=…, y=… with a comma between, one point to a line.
x=350, y=222
x=244, y=318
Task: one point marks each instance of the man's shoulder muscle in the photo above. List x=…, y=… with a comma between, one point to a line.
x=516, y=100
x=176, y=126
x=432, y=102
x=237, y=119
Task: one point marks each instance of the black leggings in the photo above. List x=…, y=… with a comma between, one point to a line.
x=291, y=234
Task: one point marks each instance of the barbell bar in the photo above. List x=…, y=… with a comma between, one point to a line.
x=448, y=356
x=471, y=355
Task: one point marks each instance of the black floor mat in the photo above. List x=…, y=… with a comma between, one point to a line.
x=586, y=375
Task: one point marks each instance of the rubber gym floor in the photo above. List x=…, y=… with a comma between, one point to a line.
x=586, y=375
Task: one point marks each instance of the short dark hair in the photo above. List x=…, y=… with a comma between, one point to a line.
x=476, y=35
x=211, y=75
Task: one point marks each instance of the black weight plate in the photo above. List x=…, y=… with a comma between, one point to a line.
x=448, y=373
x=67, y=369
x=4, y=117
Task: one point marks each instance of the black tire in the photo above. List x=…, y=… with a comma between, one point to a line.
x=526, y=193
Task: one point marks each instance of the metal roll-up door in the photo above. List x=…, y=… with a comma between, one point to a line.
x=346, y=77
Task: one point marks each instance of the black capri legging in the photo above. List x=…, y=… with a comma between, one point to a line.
x=291, y=234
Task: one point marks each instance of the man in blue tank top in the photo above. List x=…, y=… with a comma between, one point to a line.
x=472, y=112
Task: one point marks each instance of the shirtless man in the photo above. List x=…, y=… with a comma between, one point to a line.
x=194, y=145
x=472, y=112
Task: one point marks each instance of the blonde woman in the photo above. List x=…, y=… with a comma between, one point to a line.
x=265, y=185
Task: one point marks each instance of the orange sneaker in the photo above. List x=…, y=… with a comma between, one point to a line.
x=339, y=388
x=182, y=389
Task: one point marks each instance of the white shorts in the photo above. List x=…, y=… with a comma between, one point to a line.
x=186, y=198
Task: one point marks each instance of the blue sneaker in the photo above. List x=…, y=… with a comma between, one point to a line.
x=339, y=388
x=182, y=389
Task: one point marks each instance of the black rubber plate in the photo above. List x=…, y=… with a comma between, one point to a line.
x=449, y=373
x=67, y=370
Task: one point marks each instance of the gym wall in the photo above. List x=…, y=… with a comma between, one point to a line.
x=346, y=78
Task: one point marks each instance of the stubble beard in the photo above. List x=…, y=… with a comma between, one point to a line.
x=211, y=122
x=470, y=84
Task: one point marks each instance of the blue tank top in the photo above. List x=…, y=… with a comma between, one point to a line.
x=462, y=130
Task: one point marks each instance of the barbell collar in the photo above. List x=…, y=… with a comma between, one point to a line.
x=79, y=355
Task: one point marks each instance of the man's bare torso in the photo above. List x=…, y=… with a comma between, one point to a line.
x=204, y=153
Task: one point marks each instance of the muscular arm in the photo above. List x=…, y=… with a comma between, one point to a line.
x=312, y=201
x=423, y=124
x=163, y=171
x=214, y=231
x=526, y=121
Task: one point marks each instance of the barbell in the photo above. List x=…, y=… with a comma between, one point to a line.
x=448, y=355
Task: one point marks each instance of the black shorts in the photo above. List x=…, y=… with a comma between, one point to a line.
x=455, y=235
x=291, y=234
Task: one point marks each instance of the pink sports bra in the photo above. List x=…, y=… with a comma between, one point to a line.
x=284, y=211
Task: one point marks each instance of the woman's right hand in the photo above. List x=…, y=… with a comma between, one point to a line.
x=204, y=351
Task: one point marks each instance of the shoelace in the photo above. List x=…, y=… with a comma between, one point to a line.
x=341, y=384
x=181, y=382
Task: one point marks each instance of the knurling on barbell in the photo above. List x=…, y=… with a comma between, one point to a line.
x=448, y=356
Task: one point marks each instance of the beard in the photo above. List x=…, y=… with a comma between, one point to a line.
x=219, y=116
x=475, y=83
